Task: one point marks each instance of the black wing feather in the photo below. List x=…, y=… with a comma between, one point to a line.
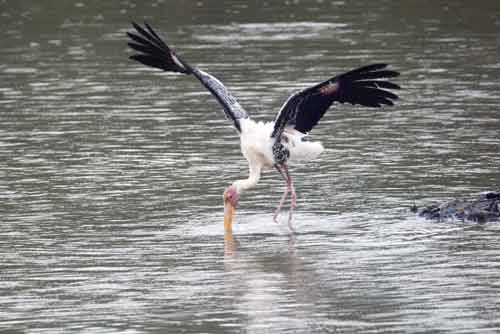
x=232, y=109
x=150, y=36
x=145, y=49
x=154, y=52
x=365, y=86
x=367, y=68
x=382, y=84
x=154, y=55
x=144, y=42
x=149, y=61
x=158, y=39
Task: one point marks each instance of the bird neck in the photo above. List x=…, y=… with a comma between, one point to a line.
x=250, y=182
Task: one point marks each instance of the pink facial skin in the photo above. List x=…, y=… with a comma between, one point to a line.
x=231, y=194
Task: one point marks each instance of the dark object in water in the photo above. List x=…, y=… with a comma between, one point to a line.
x=482, y=208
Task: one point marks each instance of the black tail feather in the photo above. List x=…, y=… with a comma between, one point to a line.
x=154, y=52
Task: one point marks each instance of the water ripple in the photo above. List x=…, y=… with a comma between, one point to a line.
x=111, y=174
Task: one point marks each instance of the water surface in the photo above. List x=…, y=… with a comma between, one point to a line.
x=111, y=174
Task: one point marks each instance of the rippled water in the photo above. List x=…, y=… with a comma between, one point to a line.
x=111, y=174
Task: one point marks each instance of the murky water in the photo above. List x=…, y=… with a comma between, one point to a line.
x=111, y=174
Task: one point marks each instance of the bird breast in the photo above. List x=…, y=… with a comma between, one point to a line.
x=257, y=144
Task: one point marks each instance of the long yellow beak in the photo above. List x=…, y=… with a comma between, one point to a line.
x=230, y=243
x=229, y=211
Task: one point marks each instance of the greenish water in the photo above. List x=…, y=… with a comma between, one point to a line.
x=111, y=174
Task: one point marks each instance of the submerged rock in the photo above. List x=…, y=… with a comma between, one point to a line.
x=481, y=208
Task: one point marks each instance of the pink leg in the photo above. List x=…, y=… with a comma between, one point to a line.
x=290, y=186
x=293, y=203
x=285, y=194
x=283, y=169
x=290, y=214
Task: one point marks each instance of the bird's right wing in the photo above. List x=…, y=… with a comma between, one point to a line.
x=233, y=110
x=155, y=53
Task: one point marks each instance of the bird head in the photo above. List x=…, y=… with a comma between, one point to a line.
x=231, y=199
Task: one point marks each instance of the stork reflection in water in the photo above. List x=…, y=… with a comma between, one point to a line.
x=278, y=143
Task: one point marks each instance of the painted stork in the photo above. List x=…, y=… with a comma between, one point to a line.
x=278, y=143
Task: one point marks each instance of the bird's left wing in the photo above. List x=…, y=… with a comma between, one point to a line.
x=366, y=86
x=154, y=52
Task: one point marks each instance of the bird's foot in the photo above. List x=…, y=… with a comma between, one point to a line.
x=275, y=217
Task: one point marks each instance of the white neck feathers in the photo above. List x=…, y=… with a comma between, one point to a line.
x=253, y=179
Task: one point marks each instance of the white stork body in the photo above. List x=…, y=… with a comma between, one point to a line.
x=278, y=143
x=256, y=146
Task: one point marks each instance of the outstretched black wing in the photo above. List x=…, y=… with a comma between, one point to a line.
x=154, y=52
x=366, y=86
